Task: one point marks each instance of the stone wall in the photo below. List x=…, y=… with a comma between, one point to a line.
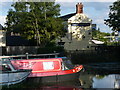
x=17, y=50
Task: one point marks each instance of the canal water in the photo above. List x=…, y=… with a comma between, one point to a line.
x=94, y=76
x=101, y=76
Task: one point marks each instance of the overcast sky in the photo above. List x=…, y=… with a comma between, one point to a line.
x=97, y=10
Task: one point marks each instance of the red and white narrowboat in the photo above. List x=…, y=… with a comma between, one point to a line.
x=49, y=69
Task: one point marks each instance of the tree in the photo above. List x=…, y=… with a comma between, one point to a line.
x=36, y=21
x=114, y=16
x=98, y=35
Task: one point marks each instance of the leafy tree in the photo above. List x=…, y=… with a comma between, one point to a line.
x=98, y=35
x=114, y=16
x=36, y=21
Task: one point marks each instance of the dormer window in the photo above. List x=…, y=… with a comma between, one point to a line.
x=80, y=24
x=83, y=36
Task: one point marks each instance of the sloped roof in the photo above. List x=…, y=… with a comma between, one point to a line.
x=66, y=17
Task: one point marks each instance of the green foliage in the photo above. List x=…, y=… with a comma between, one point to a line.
x=112, y=43
x=36, y=21
x=96, y=34
x=114, y=16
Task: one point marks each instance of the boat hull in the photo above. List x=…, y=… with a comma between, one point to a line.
x=49, y=70
x=13, y=77
x=55, y=78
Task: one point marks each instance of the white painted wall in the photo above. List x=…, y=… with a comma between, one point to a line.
x=77, y=42
x=2, y=38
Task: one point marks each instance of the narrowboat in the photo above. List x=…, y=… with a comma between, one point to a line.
x=9, y=75
x=49, y=69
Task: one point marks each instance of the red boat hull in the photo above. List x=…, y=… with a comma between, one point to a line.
x=45, y=67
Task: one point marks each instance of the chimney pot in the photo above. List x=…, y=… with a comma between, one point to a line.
x=79, y=8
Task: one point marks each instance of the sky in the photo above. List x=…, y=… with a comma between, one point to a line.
x=97, y=10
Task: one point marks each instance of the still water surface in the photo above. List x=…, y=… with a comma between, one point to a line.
x=101, y=75
x=98, y=76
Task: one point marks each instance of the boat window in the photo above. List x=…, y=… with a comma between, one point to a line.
x=64, y=67
x=52, y=56
x=18, y=58
x=5, y=67
x=68, y=63
x=44, y=56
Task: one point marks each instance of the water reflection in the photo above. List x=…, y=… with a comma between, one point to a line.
x=98, y=77
x=105, y=82
x=98, y=81
x=117, y=81
x=66, y=85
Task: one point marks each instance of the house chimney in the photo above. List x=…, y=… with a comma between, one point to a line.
x=79, y=8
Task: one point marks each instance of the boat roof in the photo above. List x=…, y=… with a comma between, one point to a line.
x=28, y=56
